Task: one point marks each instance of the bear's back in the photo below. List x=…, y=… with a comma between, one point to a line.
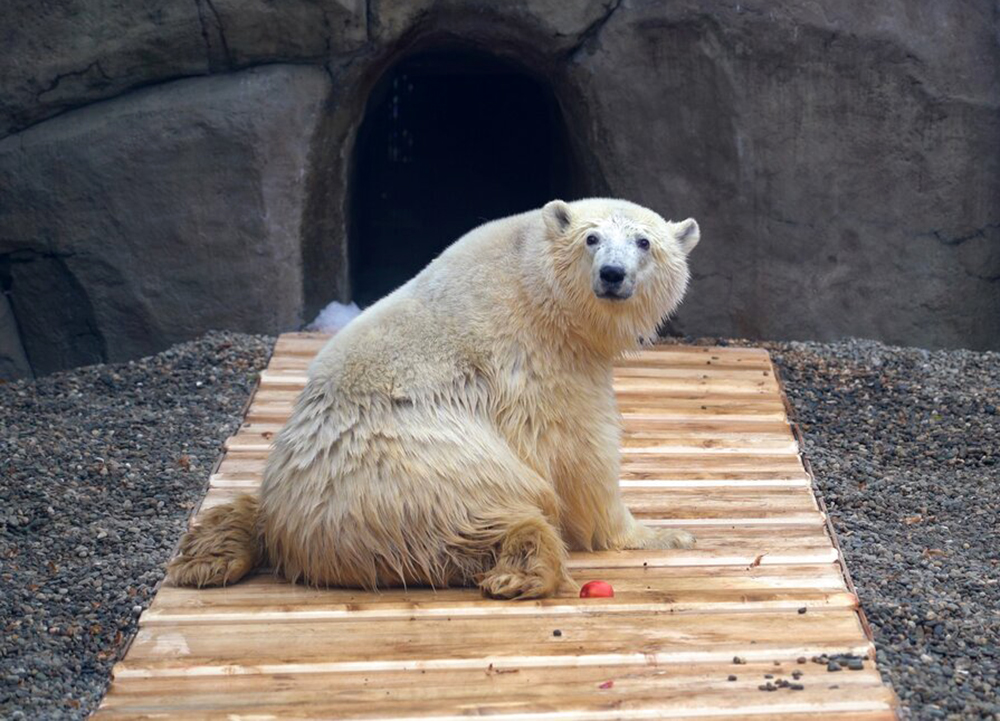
x=440, y=327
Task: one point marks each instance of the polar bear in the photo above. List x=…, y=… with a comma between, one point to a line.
x=464, y=430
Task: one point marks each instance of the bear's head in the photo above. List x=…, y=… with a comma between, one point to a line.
x=620, y=265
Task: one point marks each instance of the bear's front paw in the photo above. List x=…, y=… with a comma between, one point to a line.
x=670, y=538
x=515, y=585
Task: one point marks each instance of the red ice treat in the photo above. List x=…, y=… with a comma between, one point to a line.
x=597, y=589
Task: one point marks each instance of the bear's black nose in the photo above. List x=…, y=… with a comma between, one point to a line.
x=612, y=274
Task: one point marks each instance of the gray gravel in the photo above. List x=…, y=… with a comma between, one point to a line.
x=99, y=469
x=903, y=443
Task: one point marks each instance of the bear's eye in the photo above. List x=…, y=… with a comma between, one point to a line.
x=643, y=243
x=592, y=239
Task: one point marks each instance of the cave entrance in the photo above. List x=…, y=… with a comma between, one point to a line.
x=449, y=140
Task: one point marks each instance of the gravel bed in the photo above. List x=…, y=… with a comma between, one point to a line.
x=99, y=469
x=904, y=446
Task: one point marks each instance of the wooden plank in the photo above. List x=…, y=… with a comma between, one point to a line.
x=698, y=461
x=679, y=365
x=697, y=516
x=640, y=473
x=697, y=688
x=637, y=413
x=668, y=350
x=235, y=465
x=709, y=428
x=710, y=405
x=661, y=463
x=655, y=710
x=688, y=397
x=656, y=388
x=641, y=442
x=288, y=394
x=672, y=503
x=708, y=585
x=632, y=417
x=470, y=604
x=455, y=642
x=250, y=482
x=309, y=344
x=687, y=370
x=647, y=588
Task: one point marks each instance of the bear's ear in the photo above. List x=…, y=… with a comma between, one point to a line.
x=687, y=234
x=557, y=217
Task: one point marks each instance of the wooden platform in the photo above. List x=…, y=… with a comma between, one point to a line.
x=707, y=446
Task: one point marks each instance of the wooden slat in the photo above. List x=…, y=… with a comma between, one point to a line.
x=601, y=691
x=251, y=481
x=637, y=442
x=675, y=504
x=708, y=587
x=654, y=388
x=633, y=689
x=236, y=465
x=459, y=642
x=633, y=417
x=679, y=366
x=695, y=429
x=706, y=446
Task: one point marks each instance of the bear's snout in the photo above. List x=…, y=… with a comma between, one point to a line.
x=612, y=274
x=613, y=282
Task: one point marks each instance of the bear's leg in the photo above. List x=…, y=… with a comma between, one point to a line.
x=530, y=561
x=595, y=516
x=617, y=529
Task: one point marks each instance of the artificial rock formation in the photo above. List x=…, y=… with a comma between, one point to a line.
x=170, y=167
x=142, y=221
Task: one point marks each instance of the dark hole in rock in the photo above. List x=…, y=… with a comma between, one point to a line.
x=449, y=140
x=50, y=311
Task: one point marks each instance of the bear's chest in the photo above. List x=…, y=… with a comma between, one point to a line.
x=546, y=410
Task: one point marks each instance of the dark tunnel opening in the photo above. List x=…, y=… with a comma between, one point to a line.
x=449, y=140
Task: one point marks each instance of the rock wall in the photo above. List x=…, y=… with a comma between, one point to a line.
x=844, y=160
x=167, y=167
x=138, y=222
